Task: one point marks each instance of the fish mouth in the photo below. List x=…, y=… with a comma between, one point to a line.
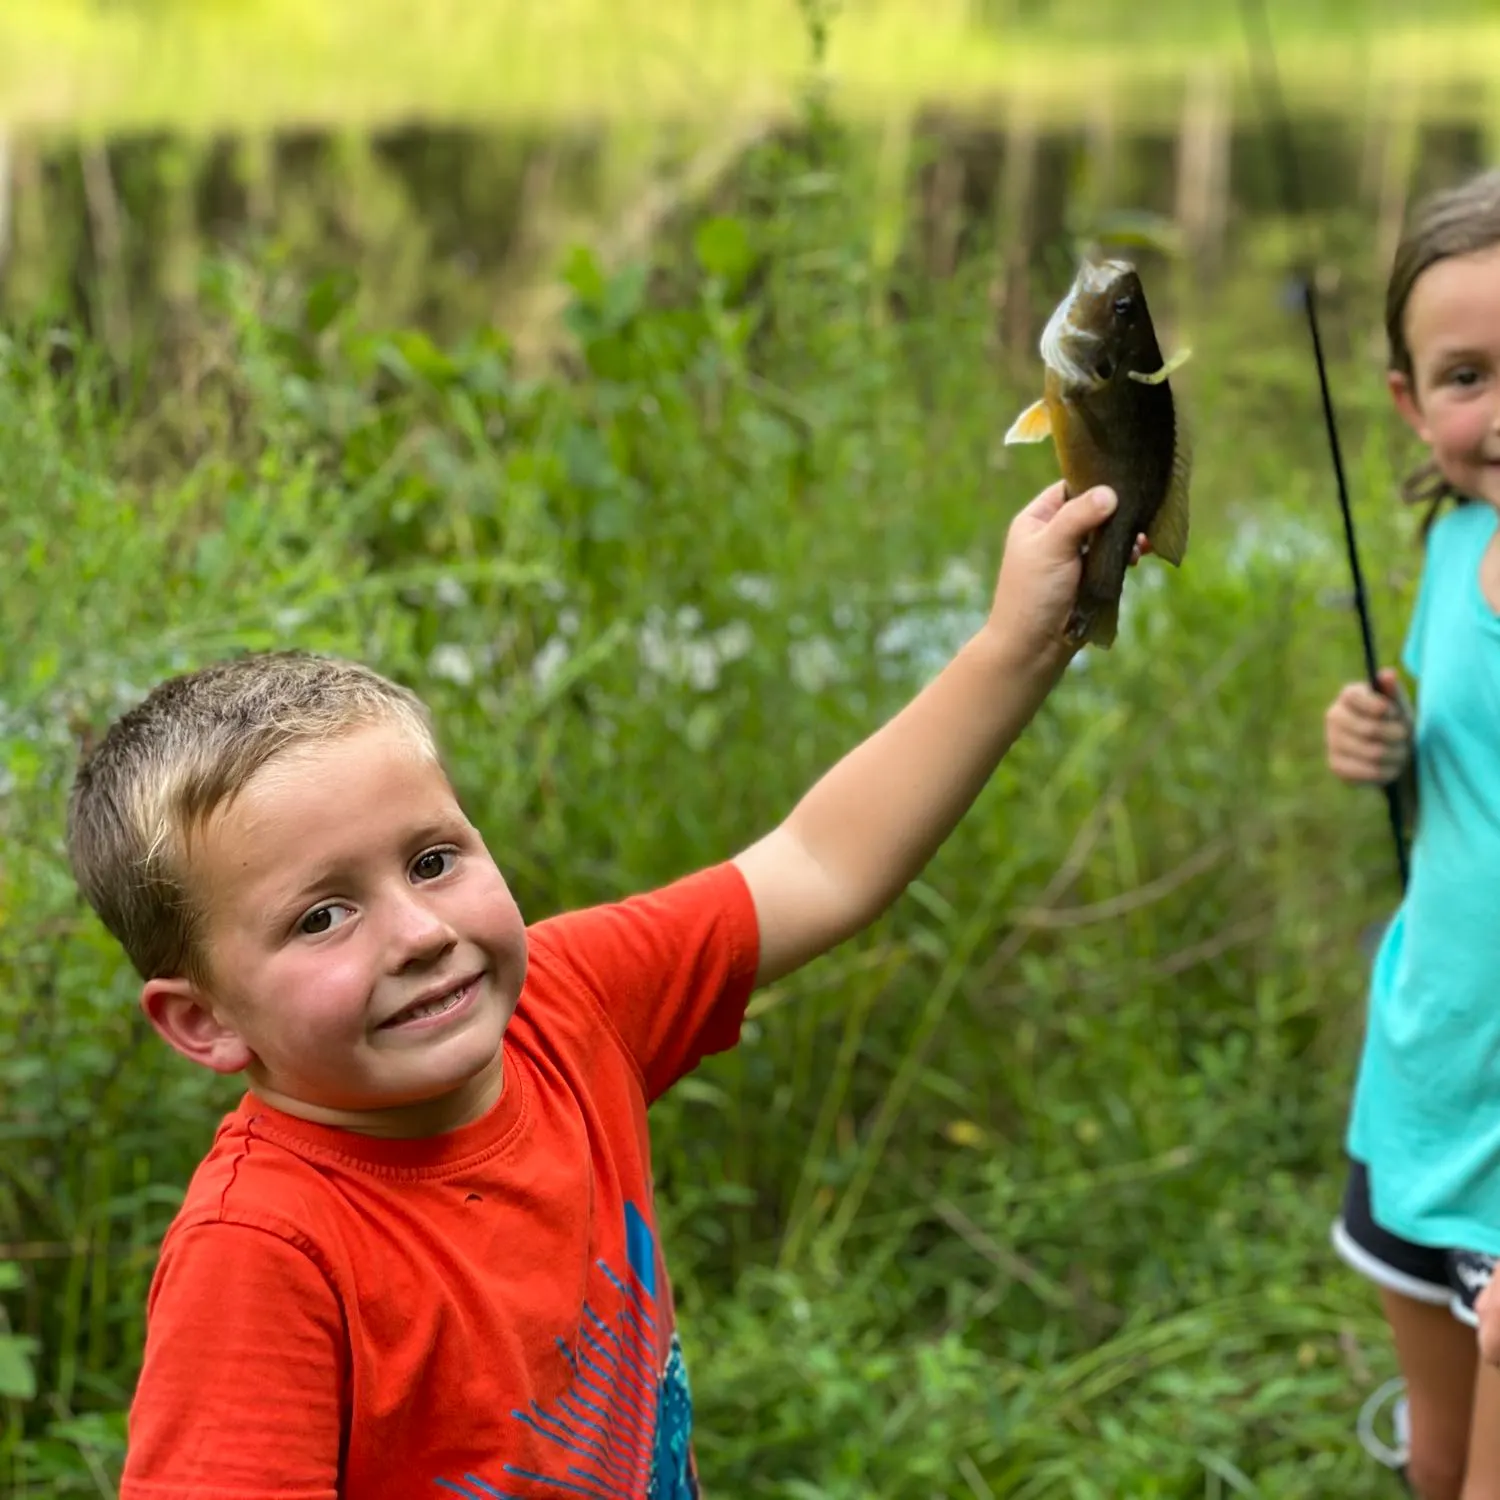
x=1077, y=355
x=1098, y=276
x=1074, y=354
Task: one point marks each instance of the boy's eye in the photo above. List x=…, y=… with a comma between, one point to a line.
x=433, y=864
x=322, y=919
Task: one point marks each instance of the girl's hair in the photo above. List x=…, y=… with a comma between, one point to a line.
x=1460, y=220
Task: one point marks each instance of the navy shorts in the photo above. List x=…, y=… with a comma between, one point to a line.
x=1445, y=1278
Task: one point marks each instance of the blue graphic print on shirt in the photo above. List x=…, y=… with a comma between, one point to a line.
x=623, y=1429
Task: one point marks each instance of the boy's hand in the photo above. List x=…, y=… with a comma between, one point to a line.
x=1042, y=566
x=1368, y=733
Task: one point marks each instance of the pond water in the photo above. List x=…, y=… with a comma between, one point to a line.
x=454, y=214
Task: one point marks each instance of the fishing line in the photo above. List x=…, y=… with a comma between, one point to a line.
x=1273, y=107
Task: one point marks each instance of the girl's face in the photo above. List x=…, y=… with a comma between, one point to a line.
x=1452, y=398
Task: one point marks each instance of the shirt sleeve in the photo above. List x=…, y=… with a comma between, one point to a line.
x=242, y=1387
x=672, y=969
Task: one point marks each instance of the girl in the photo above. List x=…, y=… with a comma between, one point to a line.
x=1421, y=1212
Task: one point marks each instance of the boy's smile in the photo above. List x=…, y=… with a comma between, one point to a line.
x=363, y=952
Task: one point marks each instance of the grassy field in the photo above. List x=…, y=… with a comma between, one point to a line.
x=1024, y=1193
x=253, y=64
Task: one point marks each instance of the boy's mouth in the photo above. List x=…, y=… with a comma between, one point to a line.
x=436, y=1002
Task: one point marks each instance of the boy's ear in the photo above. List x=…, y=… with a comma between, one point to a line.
x=184, y=1018
x=1400, y=387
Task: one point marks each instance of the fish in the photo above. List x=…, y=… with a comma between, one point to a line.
x=1107, y=405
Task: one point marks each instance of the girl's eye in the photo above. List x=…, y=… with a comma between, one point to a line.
x=322, y=919
x=434, y=864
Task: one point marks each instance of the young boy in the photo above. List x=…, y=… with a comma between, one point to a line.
x=420, y=1256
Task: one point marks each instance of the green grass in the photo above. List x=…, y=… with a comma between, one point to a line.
x=1022, y=1194
x=256, y=64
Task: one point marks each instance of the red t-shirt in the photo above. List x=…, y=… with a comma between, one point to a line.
x=484, y=1313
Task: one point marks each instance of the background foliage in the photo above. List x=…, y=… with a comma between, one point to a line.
x=1024, y=1192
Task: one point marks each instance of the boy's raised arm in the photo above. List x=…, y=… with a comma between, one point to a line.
x=867, y=828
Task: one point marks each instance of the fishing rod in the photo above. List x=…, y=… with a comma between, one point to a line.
x=1273, y=105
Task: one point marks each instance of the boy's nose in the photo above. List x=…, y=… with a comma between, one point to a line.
x=418, y=932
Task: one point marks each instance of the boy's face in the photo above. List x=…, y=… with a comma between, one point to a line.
x=364, y=953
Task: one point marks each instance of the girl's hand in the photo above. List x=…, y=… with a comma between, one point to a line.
x=1367, y=733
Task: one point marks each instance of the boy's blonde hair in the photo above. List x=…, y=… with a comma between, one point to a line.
x=186, y=750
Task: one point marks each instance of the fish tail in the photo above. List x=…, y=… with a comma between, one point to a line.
x=1094, y=622
x=1106, y=624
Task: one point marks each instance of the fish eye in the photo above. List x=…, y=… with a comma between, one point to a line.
x=1124, y=306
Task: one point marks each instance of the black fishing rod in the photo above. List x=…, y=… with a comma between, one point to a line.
x=1273, y=105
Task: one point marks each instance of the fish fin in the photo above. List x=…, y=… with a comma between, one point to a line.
x=1169, y=531
x=1034, y=425
x=1176, y=362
